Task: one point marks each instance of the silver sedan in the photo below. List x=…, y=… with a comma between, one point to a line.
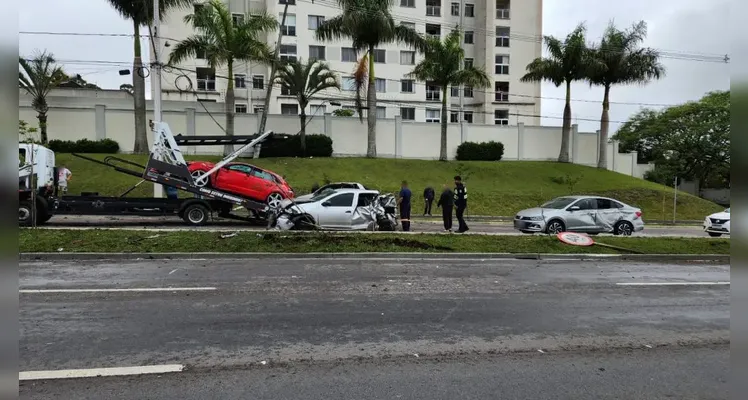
x=587, y=214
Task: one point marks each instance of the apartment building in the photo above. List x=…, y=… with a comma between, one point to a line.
x=502, y=36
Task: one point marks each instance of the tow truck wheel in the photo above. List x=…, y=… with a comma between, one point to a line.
x=195, y=214
x=24, y=213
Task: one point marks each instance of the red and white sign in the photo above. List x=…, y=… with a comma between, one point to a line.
x=575, y=239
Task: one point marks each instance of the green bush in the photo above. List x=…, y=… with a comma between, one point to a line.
x=103, y=146
x=486, y=151
x=290, y=146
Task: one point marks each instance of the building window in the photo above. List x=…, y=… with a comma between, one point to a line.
x=288, y=52
x=237, y=18
x=433, y=115
x=453, y=117
x=502, y=36
x=289, y=27
x=286, y=91
x=468, y=91
x=258, y=82
x=382, y=112
x=407, y=57
x=258, y=109
x=380, y=56
x=407, y=86
x=408, y=3
x=467, y=116
x=411, y=25
x=502, y=91
x=501, y=117
x=317, y=52
x=290, y=109
x=408, y=113
x=240, y=108
x=315, y=21
x=468, y=37
x=468, y=63
x=434, y=30
x=454, y=91
x=348, y=54
x=502, y=9
x=380, y=85
x=240, y=81
x=206, y=79
x=289, y=2
x=318, y=110
x=455, y=9
x=433, y=92
x=470, y=10
x=502, y=64
x=349, y=84
x=433, y=8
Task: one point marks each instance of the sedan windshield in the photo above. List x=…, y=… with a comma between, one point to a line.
x=559, y=203
x=321, y=194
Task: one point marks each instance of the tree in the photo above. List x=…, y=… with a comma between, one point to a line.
x=567, y=62
x=40, y=75
x=343, y=112
x=619, y=60
x=368, y=24
x=690, y=141
x=26, y=133
x=140, y=12
x=442, y=65
x=224, y=41
x=77, y=81
x=304, y=80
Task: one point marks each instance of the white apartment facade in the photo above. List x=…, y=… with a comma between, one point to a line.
x=502, y=36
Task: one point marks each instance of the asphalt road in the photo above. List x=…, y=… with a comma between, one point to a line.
x=375, y=328
x=173, y=223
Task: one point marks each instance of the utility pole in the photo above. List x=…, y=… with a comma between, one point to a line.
x=461, y=114
x=158, y=190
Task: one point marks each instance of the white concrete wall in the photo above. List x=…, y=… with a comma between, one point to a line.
x=110, y=115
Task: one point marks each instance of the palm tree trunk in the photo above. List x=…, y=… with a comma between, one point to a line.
x=371, y=104
x=302, y=132
x=602, y=158
x=230, y=108
x=42, y=117
x=563, y=155
x=443, y=146
x=138, y=87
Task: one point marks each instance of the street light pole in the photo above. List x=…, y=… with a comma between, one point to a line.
x=158, y=190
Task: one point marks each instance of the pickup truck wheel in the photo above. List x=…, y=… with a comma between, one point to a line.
x=196, y=214
x=24, y=213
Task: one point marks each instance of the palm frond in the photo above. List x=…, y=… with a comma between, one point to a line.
x=141, y=11
x=361, y=80
x=332, y=29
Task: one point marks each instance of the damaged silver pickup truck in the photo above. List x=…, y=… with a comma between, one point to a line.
x=341, y=209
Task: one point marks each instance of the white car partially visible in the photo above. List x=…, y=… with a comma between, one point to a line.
x=718, y=224
x=331, y=209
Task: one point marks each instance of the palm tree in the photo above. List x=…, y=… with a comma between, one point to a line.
x=368, y=24
x=619, y=60
x=442, y=65
x=40, y=75
x=304, y=81
x=224, y=41
x=140, y=12
x=567, y=62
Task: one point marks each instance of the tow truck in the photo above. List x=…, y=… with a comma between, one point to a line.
x=166, y=166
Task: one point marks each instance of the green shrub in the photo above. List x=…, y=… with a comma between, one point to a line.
x=290, y=146
x=103, y=146
x=486, y=151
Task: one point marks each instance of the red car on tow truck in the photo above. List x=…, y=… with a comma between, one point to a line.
x=245, y=180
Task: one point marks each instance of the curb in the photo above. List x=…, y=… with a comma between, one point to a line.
x=390, y=256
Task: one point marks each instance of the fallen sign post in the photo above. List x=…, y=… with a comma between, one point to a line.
x=579, y=239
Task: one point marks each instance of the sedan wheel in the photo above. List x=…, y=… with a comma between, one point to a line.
x=274, y=200
x=624, y=229
x=197, y=174
x=556, y=227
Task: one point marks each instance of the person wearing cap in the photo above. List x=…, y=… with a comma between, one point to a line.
x=460, y=204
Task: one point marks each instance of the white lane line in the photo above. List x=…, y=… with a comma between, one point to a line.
x=180, y=289
x=672, y=283
x=97, y=372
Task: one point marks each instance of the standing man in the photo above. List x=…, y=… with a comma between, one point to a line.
x=460, y=204
x=404, y=202
x=446, y=203
x=428, y=198
x=63, y=176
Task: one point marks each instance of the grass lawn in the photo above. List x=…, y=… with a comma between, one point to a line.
x=495, y=188
x=109, y=240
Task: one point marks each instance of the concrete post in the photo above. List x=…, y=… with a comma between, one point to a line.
x=634, y=157
x=573, y=143
x=328, y=124
x=100, y=121
x=463, y=129
x=190, y=123
x=520, y=141
x=398, y=136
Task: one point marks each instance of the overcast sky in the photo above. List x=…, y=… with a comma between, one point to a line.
x=677, y=27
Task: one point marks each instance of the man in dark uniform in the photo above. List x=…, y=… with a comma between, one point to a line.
x=446, y=202
x=428, y=198
x=460, y=204
x=404, y=201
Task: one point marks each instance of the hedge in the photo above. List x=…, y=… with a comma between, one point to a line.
x=486, y=151
x=290, y=146
x=103, y=146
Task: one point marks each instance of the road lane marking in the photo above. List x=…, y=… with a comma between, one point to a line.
x=97, y=372
x=181, y=289
x=672, y=283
